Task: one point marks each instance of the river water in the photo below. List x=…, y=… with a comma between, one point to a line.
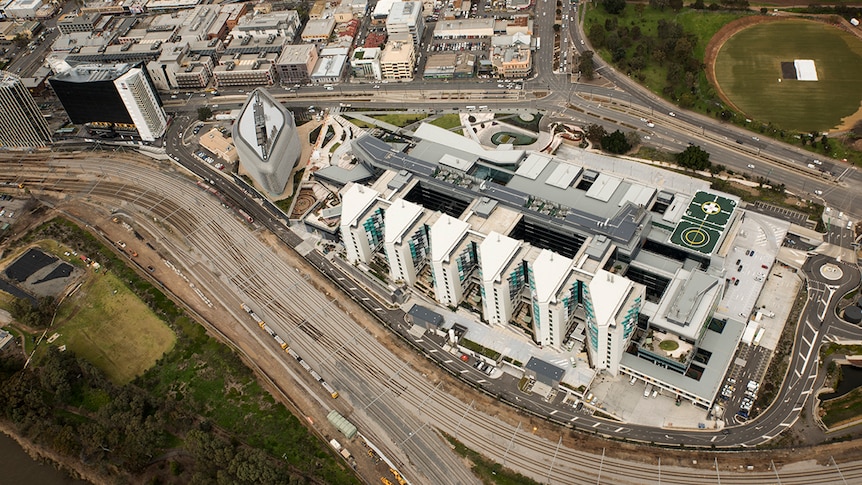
x=16, y=467
x=851, y=378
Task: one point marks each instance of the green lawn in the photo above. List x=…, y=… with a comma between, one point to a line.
x=400, y=119
x=108, y=325
x=749, y=65
x=845, y=408
x=668, y=345
x=703, y=23
x=447, y=121
x=516, y=139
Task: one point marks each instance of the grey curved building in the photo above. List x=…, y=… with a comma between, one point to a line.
x=266, y=141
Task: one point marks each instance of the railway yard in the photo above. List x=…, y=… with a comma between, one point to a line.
x=215, y=261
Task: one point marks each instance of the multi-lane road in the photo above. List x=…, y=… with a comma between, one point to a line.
x=382, y=391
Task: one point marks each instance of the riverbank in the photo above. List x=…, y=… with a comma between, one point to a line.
x=65, y=471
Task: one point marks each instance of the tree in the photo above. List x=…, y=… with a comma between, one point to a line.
x=587, y=66
x=633, y=138
x=675, y=5
x=21, y=40
x=694, y=158
x=615, y=143
x=597, y=35
x=595, y=132
x=204, y=113
x=614, y=7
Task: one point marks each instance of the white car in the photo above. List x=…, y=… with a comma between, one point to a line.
x=750, y=165
x=650, y=124
x=818, y=192
x=672, y=114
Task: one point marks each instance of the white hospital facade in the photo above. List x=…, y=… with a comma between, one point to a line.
x=576, y=258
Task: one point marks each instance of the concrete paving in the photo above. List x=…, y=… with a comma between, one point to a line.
x=618, y=397
x=509, y=341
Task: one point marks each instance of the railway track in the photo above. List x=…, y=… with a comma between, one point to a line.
x=378, y=386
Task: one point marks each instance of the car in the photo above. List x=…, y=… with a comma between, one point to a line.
x=582, y=41
x=764, y=266
x=740, y=142
x=818, y=192
x=751, y=165
x=672, y=114
x=650, y=124
x=151, y=269
x=817, y=162
x=755, y=138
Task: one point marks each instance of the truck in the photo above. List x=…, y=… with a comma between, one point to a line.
x=647, y=390
x=335, y=444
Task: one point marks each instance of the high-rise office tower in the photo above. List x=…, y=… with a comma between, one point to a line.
x=21, y=124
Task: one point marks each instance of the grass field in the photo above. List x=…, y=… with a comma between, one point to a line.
x=841, y=409
x=108, y=325
x=749, y=65
x=702, y=23
x=447, y=121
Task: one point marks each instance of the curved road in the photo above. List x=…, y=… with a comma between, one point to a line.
x=371, y=378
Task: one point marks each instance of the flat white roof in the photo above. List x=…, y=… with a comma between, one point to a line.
x=455, y=162
x=608, y=291
x=355, y=201
x=805, y=70
x=603, y=188
x=446, y=233
x=677, y=208
x=533, y=165
x=495, y=252
x=563, y=176
x=427, y=131
x=750, y=330
x=550, y=271
x=383, y=7
x=399, y=217
x=638, y=195
x=261, y=116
